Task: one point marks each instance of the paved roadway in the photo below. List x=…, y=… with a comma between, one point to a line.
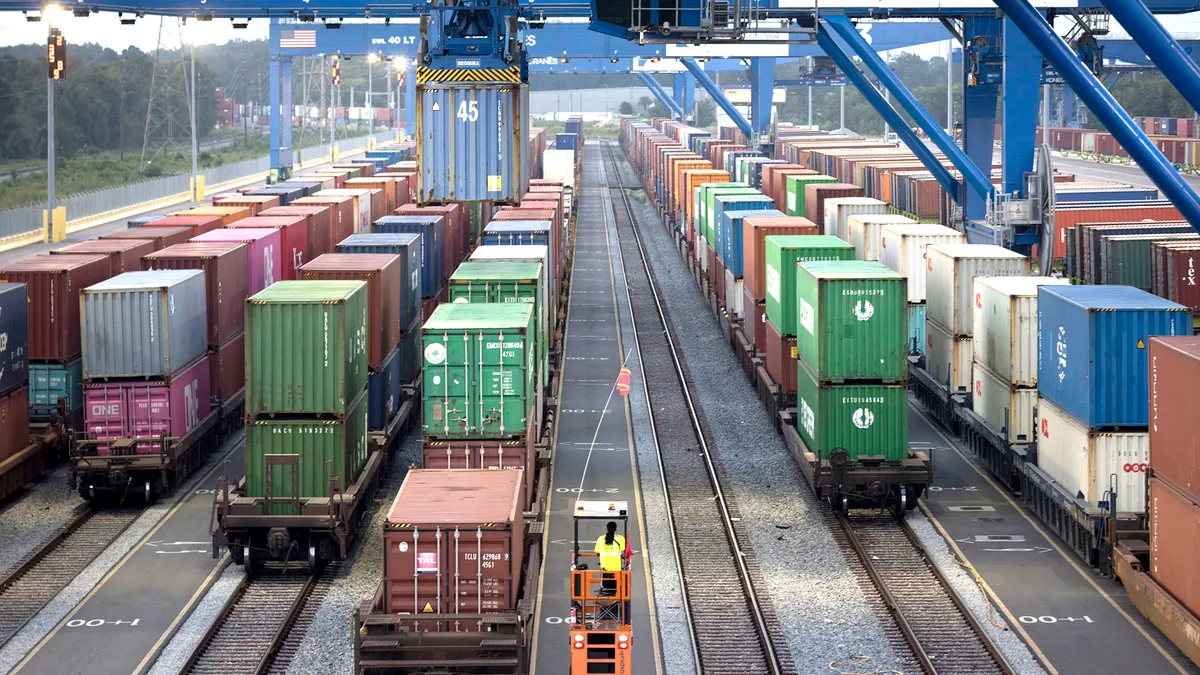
x=593, y=450
x=123, y=623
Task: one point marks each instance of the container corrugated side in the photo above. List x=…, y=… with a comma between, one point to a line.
x=326, y=448
x=1174, y=540
x=755, y=231
x=48, y=382
x=782, y=253
x=471, y=141
x=324, y=324
x=947, y=357
x=902, y=248
x=795, y=193
x=949, y=281
x=125, y=255
x=381, y=273
x=1092, y=350
x=865, y=232
x=1005, y=334
x=14, y=422
x=1174, y=409
x=1005, y=408
x=863, y=419
x=170, y=406
x=14, y=336
x=226, y=280
x=54, y=284
x=839, y=209
x=1084, y=462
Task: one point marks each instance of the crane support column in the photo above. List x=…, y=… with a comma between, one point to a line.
x=1102, y=104
x=869, y=92
x=1149, y=34
x=677, y=90
x=689, y=96
x=273, y=97
x=762, y=89
x=410, y=99
x=285, y=115
x=715, y=92
x=1022, y=89
x=660, y=93
x=972, y=175
x=982, y=76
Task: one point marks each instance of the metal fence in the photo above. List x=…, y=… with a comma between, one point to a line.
x=28, y=219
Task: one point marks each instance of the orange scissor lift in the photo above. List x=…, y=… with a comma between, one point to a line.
x=601, y=626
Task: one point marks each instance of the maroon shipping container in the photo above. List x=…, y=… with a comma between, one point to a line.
x=256, y=203
x=147, y=409
x=716, y=278
x=341, y=218
x=815, y=195
x=458, y=230
x=226, y=279
x=486, y=454
x=366, y=169
x=198, y=224
x=14, y=422
x=54, y=284
x=475, y=565
x=317, y=219
x=1174, y=541
x=754, y=323
x=755, y=230
x=338, y=177
x=406, y=190
x=227, y=367
x=1181, y=272
x=381, y=272
x=293, y=239
x=1174, y=409
x=124, y=255
x=385, y=184
x=161, y=236
x=781, y=359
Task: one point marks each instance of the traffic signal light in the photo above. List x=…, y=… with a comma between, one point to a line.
x=56, y=55
x=399, y=78
x=337, y=70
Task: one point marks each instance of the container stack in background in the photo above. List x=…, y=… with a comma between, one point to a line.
x=1093, y=387
x=14, y=369
x=902, y=247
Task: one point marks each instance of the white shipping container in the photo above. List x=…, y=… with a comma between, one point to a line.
x=839, y=210
x=559, y=165
x=1005, y=326
x=1006, y=409
x=949, y=280
x=702, y=253
x=733, y=294
x=947, y=357
x=1085, y=462
x=863, y=232
x=902, y=248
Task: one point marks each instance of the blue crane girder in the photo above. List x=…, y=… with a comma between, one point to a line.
x=718, y=96
x=660, y=93
x=1175, y=62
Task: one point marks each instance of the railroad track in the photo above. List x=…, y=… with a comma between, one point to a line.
x=263, y=623
x=44, y=572
x=733, y=632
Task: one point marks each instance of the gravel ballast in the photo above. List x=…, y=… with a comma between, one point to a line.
x=180, y=648
x=34, y=515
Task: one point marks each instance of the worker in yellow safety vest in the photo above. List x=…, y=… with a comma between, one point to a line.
x=611, y=549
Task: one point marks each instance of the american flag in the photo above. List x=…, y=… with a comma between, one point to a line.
x=298, y=39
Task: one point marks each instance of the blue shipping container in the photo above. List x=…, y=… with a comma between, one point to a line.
x=567, y=142
x=383, y=392
x=1092, y=359
x=142, y=220
x=731, y=162
x=472, y=141
x=732, y=254
x=410, y=249
x=49, y=382
x=410, y=353
x=14, y=337
x=723, y=203
x=916, y=328
x=517, y=232
x=756, y=170
x=432, y=229
x=575, y=127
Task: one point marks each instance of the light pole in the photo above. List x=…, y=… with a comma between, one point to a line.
x=191, y=38
x=49, y=13
x=371, y=59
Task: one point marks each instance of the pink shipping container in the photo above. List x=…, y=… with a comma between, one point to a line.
x=146, y=409
x=293, y=239
x=263, y=253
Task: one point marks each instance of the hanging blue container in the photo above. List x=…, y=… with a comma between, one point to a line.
x=432, y=229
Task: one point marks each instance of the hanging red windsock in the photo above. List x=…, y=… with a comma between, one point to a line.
x=623, y=381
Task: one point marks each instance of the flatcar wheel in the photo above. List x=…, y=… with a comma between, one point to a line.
x=314, y=562
x=248, y=561
x=900, y=508
x=91, y=492
x=148, y=492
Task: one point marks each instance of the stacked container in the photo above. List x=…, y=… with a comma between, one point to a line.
x=902, y=248
x=310, y=399
x=755, y=231
x=1093, y=386
x=264, y=253
x=14, y=369
x=839, y=209
x=950, y=270
x=865, y=232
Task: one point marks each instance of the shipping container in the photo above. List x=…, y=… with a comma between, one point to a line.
x=1088, y=463
x=293, y=239
x=145, y=409
x=1005, y=337
x=1174, y=540
x=14, y=336
x=556, y=235
x=197, y=223
x=839, y=209
x=706, y=224
x=455, y=230
x=782, y=254
x=796, y=193
x=343, y=214
x=264, y=253
x=408, y=247
x=491, y=455
x=916, y=328
x=780, y=357
x=950, y=270
x=865, y=232
x=480, y=366
x=227, y=367
x=139, y=221
x=1006, y=408
x=815, y=195
x=518, y=233
x=862, y=419
x=255, y=203
x=475, y=566
x=523, y=254
x=471, y=141
x=364, y=209
x=144, y=324
x=285, y=193
x=226, y=281
x=161, y=236
x=559, y=165
x=947, y=356
x=383, y=391
x=723, y=205
x=325, y=365
x=852, y=321
x=1174, y=410
x=902, y=248
x=387, y=186
x=386, y=293
x=755, y=231
x=316, y=217
x=49, y=382
x=324, y=449
x=14, y=422
x=1092, y=359
x=407, y=300
x=229, y=214
x=436, y=256
x=54, y=284
x=124, y=255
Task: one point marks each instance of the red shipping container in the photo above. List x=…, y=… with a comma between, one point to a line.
x=161, y=236
x=781, y=359
x=227, y=368
x=1078, y=216
x=1183, y=265
x=755, y=230
x=226, y=280
x=256, y=203
x=229, y=214
x=407, y=189
x=365, y=169
x=341, y=218
x=317, y=218
x=755, y=312
x=141, y=409
x=54, y=284
x=1174, y=541
x=199, y=224
x=815, y=195
x=475, y=572
x=124, y=255
x=293, y=239
x=387, y=187
x=716, y=278
x=14, y=422
x=1174, y=409
x=486, y=454
x=458, y=229
x=381, y=272
x=263, y=253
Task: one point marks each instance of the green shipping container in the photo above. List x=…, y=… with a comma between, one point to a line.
x=1126, y=258
x=479, y=370
x=783, y=252
x=863, y=419
x=794, y=187
x=479, y=281
x=707, y=226
x=323, y=448
x=49, y=382
x=306, y=348
x=852, y=321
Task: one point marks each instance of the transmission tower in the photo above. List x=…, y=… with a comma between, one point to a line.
x=168, y=121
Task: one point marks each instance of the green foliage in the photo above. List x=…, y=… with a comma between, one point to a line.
x=706, y=113
x=626, y=108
